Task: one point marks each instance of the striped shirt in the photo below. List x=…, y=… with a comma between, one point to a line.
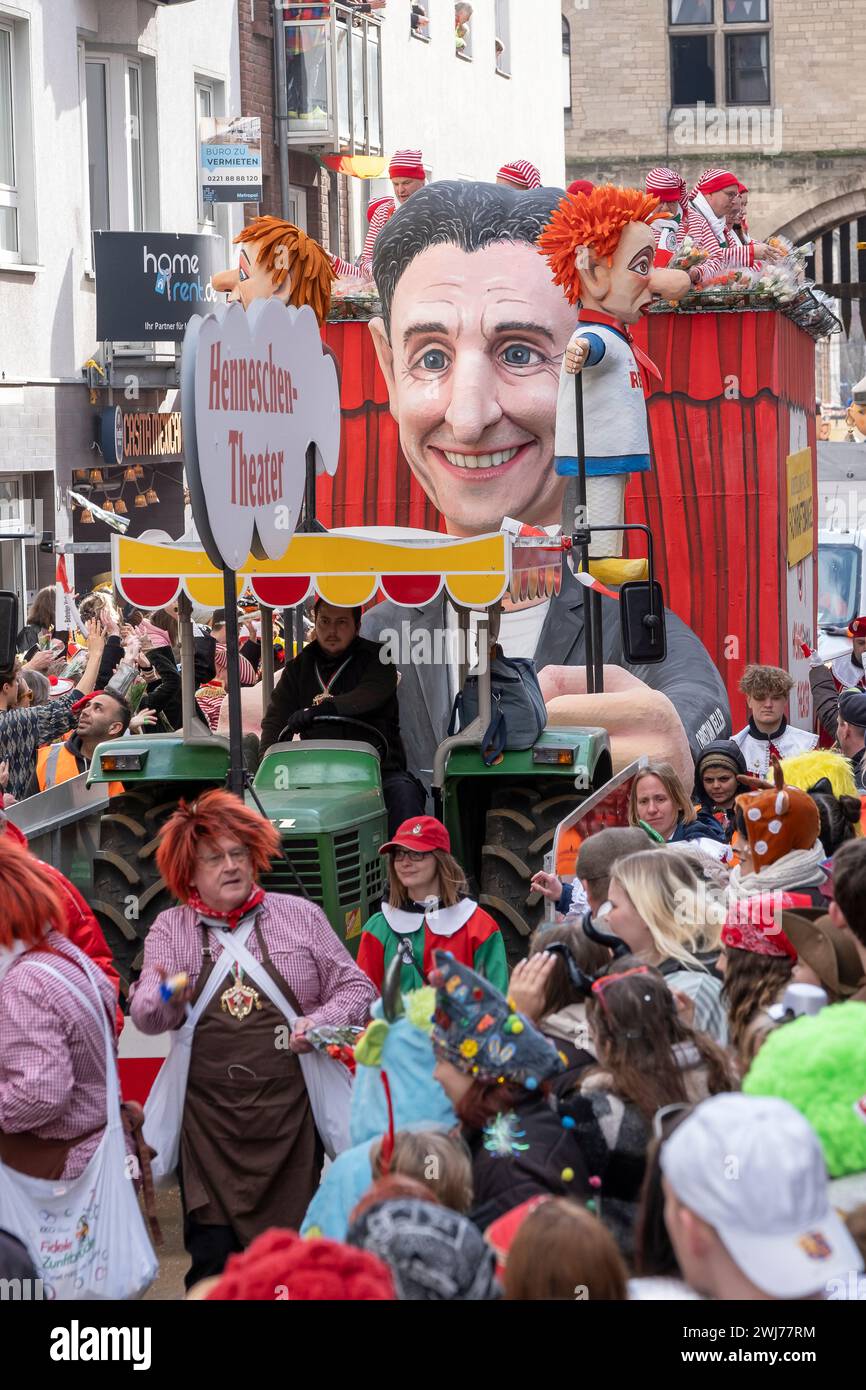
x=364, y=270
x=52, y=1054
x=303, y=947
x=726, y=252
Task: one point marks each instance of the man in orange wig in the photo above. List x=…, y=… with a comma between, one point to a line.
x=278, y=260
x=601, y=248
x=251, y=1136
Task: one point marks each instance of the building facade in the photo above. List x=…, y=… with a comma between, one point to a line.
x=99, y=108
x=770, y=88
x=397, y=75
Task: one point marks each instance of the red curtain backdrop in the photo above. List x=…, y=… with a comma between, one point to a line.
x=715, y=499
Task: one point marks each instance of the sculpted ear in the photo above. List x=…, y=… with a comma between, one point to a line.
x=594, y=272
x=385, y=354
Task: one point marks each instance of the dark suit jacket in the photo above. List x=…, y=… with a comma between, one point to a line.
x=687, y=676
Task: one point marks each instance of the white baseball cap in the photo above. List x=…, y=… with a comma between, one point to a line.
x=753, y=1169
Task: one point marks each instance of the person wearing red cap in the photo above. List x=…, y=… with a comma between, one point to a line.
x=666, y=185
x=519, y=173
x=757, y=961
x=713, y=197
x=406, y=172
x=429, y=908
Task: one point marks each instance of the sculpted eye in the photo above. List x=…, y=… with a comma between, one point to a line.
x=641, y=267
x=520, y=355
x=434, y=360
x=242, y=274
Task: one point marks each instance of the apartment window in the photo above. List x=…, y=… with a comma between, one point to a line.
x=566, y=64
x=134, y=147
x=708, y=38
x=502, y=38
x=98, y=154
x=204, y=109
x=463, y=31
x=419, y=21
x=8, y=184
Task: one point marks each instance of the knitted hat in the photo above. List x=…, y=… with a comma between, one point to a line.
x=826, y=950
x=520, y=174
x=407, y=164
x=377, y=203
x=308, y=1270
x=722, y=752
x=852, y=705
x=580, y=186
x=778, y=820
x=818, y=1064
x=666, y=184
x=598, y=854
x=713, y=180
x=434, y=1254
x=752, y=925
x=476, y=1029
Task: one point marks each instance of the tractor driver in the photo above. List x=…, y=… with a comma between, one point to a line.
x=340, y=674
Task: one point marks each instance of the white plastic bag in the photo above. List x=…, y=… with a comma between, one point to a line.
x=87, y=1236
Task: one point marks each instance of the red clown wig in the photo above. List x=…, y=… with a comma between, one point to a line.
x=214, y=815
x=29, y=902
x=593, y=219
x=281, y=1265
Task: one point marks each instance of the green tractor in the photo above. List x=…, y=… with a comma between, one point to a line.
x=325, y=799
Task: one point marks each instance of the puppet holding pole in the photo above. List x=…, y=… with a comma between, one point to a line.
x=601, y=248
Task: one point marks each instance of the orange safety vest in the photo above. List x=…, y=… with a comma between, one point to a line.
x=55, y=764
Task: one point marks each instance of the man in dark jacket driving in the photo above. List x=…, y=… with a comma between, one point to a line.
x=339, y=674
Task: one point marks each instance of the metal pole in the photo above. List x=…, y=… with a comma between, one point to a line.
x=281, y=107
x=187, y=666
x=236, y=752
x=267, y=635
x=589, y=612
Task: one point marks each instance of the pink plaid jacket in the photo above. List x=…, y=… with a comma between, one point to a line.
x=303, y=947
x=52, y=1057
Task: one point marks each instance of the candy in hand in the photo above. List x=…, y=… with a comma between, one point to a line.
x=176, y=984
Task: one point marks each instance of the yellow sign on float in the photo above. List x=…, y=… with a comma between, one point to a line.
x=801, y=506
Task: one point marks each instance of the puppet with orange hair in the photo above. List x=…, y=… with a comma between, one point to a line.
x=601, y=248
x=278, y=260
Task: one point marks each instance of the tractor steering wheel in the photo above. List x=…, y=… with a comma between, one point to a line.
x=371, y=735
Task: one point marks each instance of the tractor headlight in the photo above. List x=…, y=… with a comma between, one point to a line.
x=122, y=762
x=558, y=755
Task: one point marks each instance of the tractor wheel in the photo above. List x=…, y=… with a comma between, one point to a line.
x=518, y=833
x=128, y=889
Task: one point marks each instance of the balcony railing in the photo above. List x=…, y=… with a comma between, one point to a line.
x=333, y=77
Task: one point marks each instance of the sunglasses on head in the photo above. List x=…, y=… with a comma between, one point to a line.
x=605, y=981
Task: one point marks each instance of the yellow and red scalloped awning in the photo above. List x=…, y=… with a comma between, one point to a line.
x=345, y=568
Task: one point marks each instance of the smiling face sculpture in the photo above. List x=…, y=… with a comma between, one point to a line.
x=470, y=343
x=277, y=260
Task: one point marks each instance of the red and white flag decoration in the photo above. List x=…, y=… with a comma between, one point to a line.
x=590, y=582
x=66, y=615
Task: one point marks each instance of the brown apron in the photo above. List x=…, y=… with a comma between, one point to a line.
x=250, y=1156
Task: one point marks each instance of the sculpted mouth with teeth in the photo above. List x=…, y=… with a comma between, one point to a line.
x=480, y=460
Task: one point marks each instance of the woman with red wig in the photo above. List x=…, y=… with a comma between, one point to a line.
x=250, y=1153
x=52, y=1064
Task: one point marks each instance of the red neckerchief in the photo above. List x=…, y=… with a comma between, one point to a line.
x=233, y=917
x=595, y=316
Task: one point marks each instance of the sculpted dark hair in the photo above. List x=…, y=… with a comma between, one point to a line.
x=468, y=215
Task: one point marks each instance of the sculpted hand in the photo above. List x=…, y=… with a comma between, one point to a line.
x=575, y=355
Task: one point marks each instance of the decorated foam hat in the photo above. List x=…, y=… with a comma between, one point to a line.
x=476, y=1029
x=778, y=819
x=818, y=1064
x=858, y=627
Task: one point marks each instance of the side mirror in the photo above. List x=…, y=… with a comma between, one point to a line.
x=642, y=623
x=8, y=629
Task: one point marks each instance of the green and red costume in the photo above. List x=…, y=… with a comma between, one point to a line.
x=466, y=930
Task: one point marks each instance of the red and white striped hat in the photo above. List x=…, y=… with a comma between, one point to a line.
x=407, y=164
x=712, y=180
x=520, y=174
x=377, y=203
x=665, y=184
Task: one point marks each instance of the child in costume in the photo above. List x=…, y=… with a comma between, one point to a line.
x=397, y=1045
x=601, y=249
x=428, y=906
x=497, y=1069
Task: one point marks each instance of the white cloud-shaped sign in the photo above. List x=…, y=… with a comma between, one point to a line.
x=257, y=389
